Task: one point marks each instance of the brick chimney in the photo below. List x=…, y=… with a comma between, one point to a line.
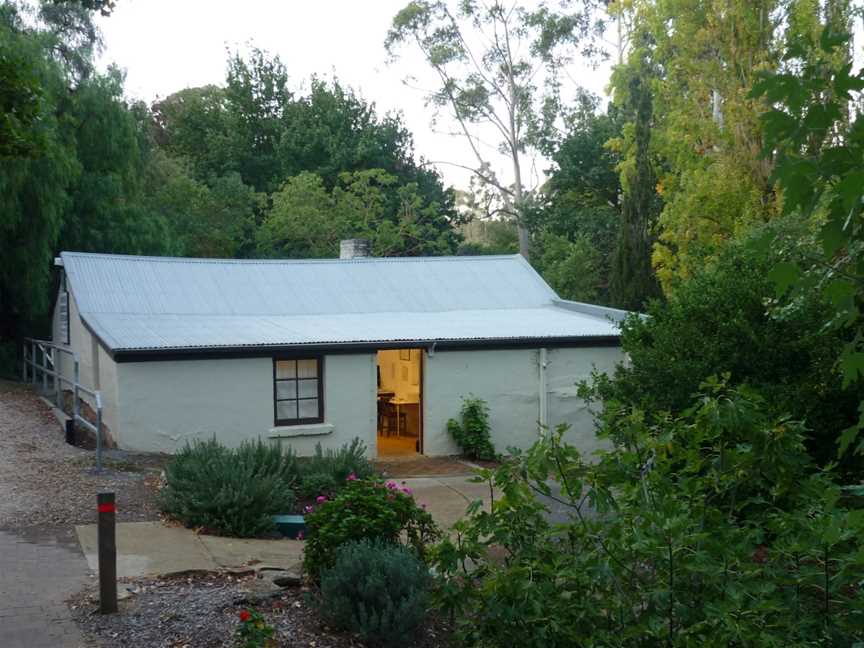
x=357, y=248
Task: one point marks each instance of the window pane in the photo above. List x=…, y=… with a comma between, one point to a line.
x=286, y=368
x=308, y=389
x=286, y=409
x=307, y=368
x=286, y=389
x=309, y=408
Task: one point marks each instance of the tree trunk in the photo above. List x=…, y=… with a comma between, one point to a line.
x=524, y=239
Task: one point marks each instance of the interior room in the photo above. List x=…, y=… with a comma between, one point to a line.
x=399, y=420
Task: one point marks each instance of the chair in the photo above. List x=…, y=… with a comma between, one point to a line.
x=387, y=419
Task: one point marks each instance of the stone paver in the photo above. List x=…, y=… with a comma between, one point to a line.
x=153, y=549
x=37, y=575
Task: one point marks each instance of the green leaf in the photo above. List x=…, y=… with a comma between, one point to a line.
x=784, y=274
x=833, y=236
x=847, y=438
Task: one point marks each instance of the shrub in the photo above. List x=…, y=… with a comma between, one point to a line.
x=233, y=492
x=720, y=321
x=365, y=509
x=472, y=432
x=327, y=470
x=710, y=528
x=378, y=590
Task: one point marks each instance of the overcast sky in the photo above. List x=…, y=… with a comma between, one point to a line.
x=167, y=45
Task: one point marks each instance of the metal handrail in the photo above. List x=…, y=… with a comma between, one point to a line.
x=57, y=378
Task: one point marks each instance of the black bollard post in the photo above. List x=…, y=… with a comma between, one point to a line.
x=70, y=431
x=107, y=553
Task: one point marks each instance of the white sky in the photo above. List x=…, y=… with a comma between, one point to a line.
x=167, y=45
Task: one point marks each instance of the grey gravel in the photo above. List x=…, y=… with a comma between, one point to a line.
x=46, y=482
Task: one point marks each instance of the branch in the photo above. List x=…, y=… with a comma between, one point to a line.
x=485, y=178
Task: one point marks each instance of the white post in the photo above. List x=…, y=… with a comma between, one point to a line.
x=544, y=396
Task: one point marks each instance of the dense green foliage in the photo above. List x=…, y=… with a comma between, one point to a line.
x=376, y=590
x=471, y=431
x=326, y=471
x=818, y=141
x=365, y=509
x=711, y=528
x=233, y=492
x=717, y=322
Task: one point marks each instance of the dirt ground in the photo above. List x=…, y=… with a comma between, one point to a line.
x=47, y=483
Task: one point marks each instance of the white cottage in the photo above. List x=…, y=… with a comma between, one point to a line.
x=309, y=351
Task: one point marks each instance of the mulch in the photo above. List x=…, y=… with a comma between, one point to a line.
x=423, y=467
x=202, y=611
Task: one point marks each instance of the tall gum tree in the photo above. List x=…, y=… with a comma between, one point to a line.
x=496, y=66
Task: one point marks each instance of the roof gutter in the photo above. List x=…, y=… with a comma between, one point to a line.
x=270, y=350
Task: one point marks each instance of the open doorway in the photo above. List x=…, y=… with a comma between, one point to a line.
x=400, y=425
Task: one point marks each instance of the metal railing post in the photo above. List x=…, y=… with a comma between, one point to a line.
x=75, y=409
x=44, y=370
x=98, y=431
x=58, y=371
x=24, y=363
x=33, y=366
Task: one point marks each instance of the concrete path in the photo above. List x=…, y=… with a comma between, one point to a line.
x=151, y=548
x=447, y=498
x=37, y=575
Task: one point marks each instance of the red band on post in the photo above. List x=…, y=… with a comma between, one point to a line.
x=108, y=508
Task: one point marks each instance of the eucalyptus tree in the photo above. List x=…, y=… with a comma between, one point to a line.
x=497, y=67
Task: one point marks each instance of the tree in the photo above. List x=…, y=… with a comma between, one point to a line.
x=581, y=199
x=489, y=61
x=33, y=197
x=571, y=267
x=819, y=154
x=632, y=282
x=308, y=220
x=716, y=322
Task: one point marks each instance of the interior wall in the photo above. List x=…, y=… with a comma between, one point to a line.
x=398, y=375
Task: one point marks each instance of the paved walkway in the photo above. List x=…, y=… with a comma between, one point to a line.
x=37, y=574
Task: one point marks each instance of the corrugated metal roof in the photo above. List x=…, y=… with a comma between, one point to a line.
x=138, y=303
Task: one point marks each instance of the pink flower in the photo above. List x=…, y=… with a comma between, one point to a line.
x=391, y=485
x=320, y=499
x=423, y=506
x=308, y=509
x=406, y=490
x=299, y=535
x=351, y=477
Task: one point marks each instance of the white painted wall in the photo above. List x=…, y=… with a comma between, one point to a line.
x=564, y=368
x=509, y=381
x=97, y=370
x=166, y=403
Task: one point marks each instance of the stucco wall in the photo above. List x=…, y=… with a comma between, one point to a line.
x=506, y=379
x=509, y=381
x=565, y=368
x=166, y=403
x=97, y=370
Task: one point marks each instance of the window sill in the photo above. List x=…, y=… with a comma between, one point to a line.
x=292, y=431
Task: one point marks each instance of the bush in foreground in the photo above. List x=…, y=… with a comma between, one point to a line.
x=325, y=472
x=376, y=589
x=712, y=528
x=365, y=509
x=234, y=492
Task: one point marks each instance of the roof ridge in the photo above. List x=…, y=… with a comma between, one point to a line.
x=172, y=259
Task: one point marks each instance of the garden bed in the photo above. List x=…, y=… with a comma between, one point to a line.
x=202, y=611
